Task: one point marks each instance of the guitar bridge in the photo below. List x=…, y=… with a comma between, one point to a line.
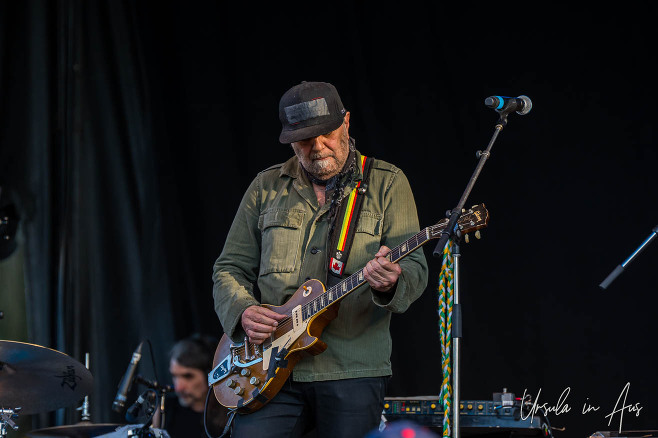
x=250, y=355
x=237, y=363
x=233, y=361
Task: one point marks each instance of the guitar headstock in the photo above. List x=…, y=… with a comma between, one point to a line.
x=473, y=219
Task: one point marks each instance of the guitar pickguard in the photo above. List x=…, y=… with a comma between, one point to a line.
x=285, y=341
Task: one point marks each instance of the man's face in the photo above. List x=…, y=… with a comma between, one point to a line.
x=190, y=385
x=324, y=156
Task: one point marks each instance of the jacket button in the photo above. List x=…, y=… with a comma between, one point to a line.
x=314, y=250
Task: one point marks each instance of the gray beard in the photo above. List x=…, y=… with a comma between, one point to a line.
x=319, y=172
x=321, y=169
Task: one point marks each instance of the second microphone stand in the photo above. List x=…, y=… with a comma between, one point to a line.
x=620, y=268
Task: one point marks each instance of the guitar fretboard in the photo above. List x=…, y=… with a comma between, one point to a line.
x=340, y=290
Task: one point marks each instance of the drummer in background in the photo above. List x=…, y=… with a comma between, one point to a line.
x=190, y=361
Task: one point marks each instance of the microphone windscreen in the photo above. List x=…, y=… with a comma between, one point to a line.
x=527, y=105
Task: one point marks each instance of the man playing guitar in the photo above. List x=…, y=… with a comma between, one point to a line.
x=283, y=235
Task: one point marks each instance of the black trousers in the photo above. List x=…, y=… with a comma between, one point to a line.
x=347, y=408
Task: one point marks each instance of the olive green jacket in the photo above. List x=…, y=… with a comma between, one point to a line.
x=278, y=240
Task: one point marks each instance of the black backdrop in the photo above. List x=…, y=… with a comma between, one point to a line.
x=131, y=129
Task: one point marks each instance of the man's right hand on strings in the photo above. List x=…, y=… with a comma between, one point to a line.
x=259, y=323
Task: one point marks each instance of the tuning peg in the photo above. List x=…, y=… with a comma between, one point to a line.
x=477, y=234
x=466, y=237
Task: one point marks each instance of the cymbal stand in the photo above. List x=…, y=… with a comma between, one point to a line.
x=7, y=417
x=85, y=416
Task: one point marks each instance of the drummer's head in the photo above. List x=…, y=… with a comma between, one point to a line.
x=190, y=361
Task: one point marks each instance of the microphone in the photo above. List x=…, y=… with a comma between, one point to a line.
x=127, y=381
x=147, y=397
x=502, y=104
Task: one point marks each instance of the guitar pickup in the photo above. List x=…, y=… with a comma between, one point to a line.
x=297, y=318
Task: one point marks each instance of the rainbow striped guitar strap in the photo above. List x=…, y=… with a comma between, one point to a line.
x=347, y=219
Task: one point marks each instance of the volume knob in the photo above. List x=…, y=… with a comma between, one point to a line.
x=231, y=383
x=238, y=391
x=245, y=372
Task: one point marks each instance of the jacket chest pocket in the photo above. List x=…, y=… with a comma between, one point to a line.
x=370, y=223
x=367, y=239
x=281, y=235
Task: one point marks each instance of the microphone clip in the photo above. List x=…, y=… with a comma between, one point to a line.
x=504, y=106
x=145, y=402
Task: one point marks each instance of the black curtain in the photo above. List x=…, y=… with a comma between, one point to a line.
x=84, y=154
x=130, y=131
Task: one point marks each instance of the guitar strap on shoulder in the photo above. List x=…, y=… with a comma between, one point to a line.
x=346, y=222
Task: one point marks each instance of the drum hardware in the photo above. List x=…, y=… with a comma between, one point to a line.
x=132, y=430
x=83, y=429
x=85, y=404
x=7, y=417
x=145, y=432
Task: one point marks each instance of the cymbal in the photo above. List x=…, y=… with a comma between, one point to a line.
x=39, y=379
x=83, y=429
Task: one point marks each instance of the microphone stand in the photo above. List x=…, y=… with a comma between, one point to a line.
x=620, y=268
x=450, y=232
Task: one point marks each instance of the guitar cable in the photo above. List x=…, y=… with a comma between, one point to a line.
x=227, y=428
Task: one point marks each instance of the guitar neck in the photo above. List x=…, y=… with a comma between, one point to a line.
x=344, y=287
